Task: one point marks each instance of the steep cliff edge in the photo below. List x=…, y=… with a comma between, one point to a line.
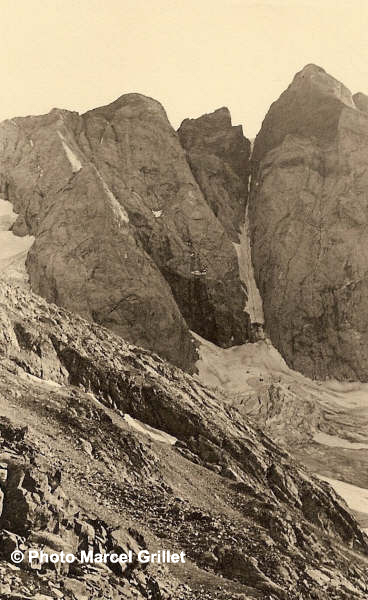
x=309, y=226
x=123, y=234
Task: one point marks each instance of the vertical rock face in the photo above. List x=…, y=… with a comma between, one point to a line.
x=123, y=234
x=309, y=226
x=85, y=256
x=219, y=156
x=171, y=218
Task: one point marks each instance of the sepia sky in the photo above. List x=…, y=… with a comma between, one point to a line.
x=191, y=55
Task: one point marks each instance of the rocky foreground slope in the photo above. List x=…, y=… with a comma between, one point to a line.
x=123, y=233
x=308, y=215
x=183, y=471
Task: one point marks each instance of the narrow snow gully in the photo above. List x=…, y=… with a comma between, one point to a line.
x=244, y=251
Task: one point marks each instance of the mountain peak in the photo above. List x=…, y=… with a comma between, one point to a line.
x=131, y=103
x=218, y=119
x=310, y=69
x=317, y=79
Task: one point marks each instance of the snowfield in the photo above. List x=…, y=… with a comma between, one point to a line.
x=355, y=497
x=13, y=249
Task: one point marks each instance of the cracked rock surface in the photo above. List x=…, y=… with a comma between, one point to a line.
x=219, y=156
x=308, y=215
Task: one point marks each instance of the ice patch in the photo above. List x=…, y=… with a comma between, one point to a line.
x=13, y=249
x=353, y=395
x=235, y=368
x=74, y=161
x=254, y=303
x=157, y=213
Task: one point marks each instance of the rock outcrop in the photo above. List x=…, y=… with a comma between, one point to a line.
x=309, y=226
x=219, y=156
x=37, y=514
x=123, y=234
x=361, y=101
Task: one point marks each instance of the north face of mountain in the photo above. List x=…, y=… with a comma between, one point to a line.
x=309, y=226
x=170, y=216
x=219, y=156
x=123, y=234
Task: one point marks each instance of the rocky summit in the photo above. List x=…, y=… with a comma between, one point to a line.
x=219, y=156
x=155, y=234
x=308, y=214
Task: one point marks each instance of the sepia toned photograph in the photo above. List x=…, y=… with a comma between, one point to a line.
x=184, y=300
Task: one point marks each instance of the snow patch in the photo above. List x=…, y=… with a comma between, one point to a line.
x=122, y=421
x=254, y=303
x=74, y=161
x=336, y=442
x=13, y=249
x=355, y=497
x=114, y=201
x=157, y=213
x=44, y=382
x=155, y=434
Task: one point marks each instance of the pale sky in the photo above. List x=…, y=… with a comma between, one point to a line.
x=192, y=55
